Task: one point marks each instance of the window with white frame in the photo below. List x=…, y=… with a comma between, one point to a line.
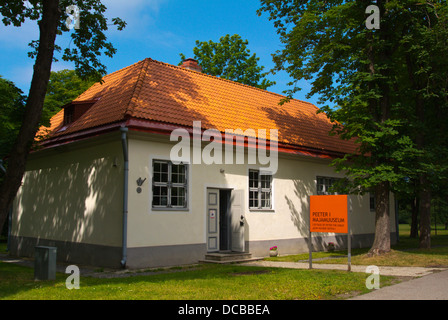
x=169, y=185
x=260, y=190
x=324, y=185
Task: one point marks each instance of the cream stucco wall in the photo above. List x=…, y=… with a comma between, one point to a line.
x=293, y=182
x=73, y=193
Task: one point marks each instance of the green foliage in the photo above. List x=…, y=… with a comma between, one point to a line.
x=64, y=86
x=12, y=107
x=389, y=85
x=88, y=42
x=230, y=59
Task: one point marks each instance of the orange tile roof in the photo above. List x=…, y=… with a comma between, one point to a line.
x=155, y=91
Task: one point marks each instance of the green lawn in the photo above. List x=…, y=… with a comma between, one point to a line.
x=226, y=282
x=3, y=245
x=404, y=253
x=216, y=282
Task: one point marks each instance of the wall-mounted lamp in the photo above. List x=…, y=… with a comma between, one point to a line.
x=140, y=183
x=222, y=170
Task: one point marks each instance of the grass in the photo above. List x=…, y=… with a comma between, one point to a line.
x=227, y=282
x=3, y=245
x=216, y=282
x=404, y=253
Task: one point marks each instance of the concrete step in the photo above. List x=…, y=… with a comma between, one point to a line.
x=225, y=256
x=228, y=257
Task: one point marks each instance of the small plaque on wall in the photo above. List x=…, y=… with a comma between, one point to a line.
x=212, y=223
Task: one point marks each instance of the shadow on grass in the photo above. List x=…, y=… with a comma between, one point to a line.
x=405, y=253
x=203, y=283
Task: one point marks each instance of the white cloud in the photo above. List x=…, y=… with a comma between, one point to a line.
x=138, y=14
x=131, y=7
x=18, y=37
x=143, y=23
x=21, y=76
x=143, y=31
x=62, y=65
x=166, y=39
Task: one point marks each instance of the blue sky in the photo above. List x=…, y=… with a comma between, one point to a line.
x=158, y=29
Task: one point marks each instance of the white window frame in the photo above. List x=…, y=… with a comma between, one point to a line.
x=260, y=190
x=169, y=185
x=326, y=185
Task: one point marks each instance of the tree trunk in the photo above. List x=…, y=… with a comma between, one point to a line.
x=415, y=205
x=425, y=188
x=42, y=68
x=425, y=214
x=381, y=244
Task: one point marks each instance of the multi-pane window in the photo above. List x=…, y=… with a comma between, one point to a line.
x=260, y=190
x=324, y=185
x=169, y=185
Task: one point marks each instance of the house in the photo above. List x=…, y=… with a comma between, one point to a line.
x=106, y=188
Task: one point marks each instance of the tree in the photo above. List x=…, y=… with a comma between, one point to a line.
x=424, y=88
x=12, y=106
x=88, y=43
x=366, y=74
x=63, y=87
x=230, y=59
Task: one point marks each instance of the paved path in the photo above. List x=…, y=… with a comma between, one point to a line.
x=385, y=271
x=427, y=283
x=429, y=287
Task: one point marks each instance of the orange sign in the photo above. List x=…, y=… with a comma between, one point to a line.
x=328, y=214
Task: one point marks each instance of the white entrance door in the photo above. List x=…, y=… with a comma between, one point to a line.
x=212, y=220
x=237, y=220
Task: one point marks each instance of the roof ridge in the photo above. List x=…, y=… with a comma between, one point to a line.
x=230, y=81
x=107, y=76
x=137, y=88
x=160, y=93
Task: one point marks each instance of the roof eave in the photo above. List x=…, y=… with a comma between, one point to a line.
x=166, y=129
x=79, y=135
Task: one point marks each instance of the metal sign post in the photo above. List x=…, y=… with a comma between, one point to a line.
x=349, y=238
x=330, y=214
x=310, y=256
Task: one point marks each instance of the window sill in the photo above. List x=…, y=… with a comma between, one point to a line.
x=170, y=209
x=261, y=210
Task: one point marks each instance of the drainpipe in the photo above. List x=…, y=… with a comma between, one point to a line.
x=124, y=130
